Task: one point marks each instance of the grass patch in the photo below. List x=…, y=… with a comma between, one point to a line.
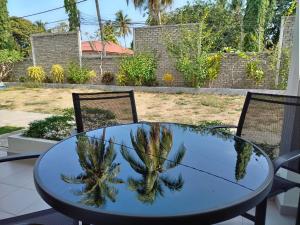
x=9, y=129
x=37, y=103
x=7, y=106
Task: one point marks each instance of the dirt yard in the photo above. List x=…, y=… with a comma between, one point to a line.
x=182, y=108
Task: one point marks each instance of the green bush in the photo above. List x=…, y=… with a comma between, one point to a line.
x=284, y=68
x=36, y=74
x=107, y=78
x=7, y=60
x=52, y=128
x=57, y=73
x=254, y=71
x=79, y=75
x=138, y=70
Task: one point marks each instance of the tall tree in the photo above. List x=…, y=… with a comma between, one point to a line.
x=21, y=30
x=122, y=23
x=282, y=8
x=5, y=36
x=254, y=24
x=154, y=7
x=109, y=33
x=60, y=28
x=40, y=25
x=73, y=13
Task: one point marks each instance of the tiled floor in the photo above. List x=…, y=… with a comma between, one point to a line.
x=18, y=196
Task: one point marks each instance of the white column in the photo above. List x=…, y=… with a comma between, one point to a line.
x=288, y=201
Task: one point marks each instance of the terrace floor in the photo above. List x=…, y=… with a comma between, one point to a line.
x=18, y=196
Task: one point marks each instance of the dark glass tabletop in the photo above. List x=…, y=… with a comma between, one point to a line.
x=153, y=170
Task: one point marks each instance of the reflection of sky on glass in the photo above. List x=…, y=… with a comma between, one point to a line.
x=201, y=191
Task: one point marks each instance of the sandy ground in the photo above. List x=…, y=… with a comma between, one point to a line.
x=183, y=108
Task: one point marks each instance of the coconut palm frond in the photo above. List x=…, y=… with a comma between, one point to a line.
x=141, y=145
x=137, y=166
x=178, y=157
x=173, y=184
x=134, y=184
x=72, y=179
x=110, y=154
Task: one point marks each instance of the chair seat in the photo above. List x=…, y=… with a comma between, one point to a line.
x=281, y=185
x=44, y=217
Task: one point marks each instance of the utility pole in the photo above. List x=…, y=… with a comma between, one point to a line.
x=101, y=34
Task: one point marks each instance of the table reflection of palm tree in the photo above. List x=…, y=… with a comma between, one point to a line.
x=244, y=151
x=99, y=171
x=153, y=152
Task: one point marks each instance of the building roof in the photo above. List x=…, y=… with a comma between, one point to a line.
x=110, y=48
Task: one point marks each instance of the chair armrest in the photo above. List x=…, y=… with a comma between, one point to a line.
x=19, y=157
x=222, y=126
x=278, y=162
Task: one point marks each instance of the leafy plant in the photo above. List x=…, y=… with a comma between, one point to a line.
x=168, y=78
x=122, y=80
x=53, y=128
x=107, y=78
x=213, y=63
x=190, y=52
x=284, y=68
x=255, y=72
x=36, y=74
x=79, y=75
x=138, y=69
x=57, y=73
x=7, y=60
x=9, y=129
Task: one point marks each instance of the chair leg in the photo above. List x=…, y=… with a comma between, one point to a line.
x=298, y=212
x=260, y=213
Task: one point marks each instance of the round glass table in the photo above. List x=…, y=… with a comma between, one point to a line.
x=153, y=173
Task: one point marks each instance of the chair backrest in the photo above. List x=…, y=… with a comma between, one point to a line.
x=272, y=122
x=94, y=110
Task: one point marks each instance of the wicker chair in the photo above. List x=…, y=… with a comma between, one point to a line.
x=43, y=217
x=94, y=110
x=264, y=120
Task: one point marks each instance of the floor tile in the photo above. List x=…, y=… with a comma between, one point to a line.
x=5, y=189
x=12, y=168
x=18, y=201
x=4, y=215
x=34, y=207
x=23, y=179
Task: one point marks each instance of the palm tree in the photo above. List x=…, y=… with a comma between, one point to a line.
x=153, y=152
x=155, y=7
x=99, y=171
x=40, y=25
x=122, y=22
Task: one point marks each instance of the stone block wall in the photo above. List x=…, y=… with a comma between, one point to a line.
x=110, y=64
x=233, y=68
x=55, y=48
x=233, y=73
x=20, y=69
x=287, y=31
x=153, y=39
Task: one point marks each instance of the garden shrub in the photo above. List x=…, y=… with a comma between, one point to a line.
x=107, y=78
x=254, y=71
x=79, y=75
x=7, y=60
x=36, y=74
x=138, y=70
x=52, y=128
x=57, y=73
x=168, y=78
x=284, y=68
x=22, y=79
x=122, y=80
